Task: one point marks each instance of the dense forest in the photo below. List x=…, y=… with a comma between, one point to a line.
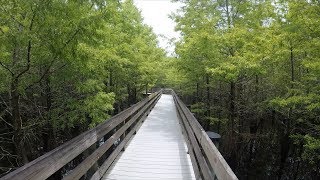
x=66, y=66
x=248, y=70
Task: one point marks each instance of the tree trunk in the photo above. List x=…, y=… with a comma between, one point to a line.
x=285, y=140
x=197, y=98
x=16, y=119
x=233, y=157
x=132, y=95
x=228, y=14
x=208, y=114
x=219, y=103
x=48, y=133
x=284, y=151
x=232, y=105
x=292, y=65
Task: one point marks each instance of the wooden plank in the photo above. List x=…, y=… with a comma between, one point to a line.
x=44, y=166
x=84, y=166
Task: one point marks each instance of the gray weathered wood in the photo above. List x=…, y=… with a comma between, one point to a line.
x=216, y=161
x=84, y=166
x=196, y=148
x=157, y=151
x=101, y=171
x=190, y=149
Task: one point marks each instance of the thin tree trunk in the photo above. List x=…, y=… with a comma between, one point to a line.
x=228, y=14
x=219, y=103
x=16, y=119
x=232, y=105
x=48, y=134
x=292, y=65
x=198, y=98
x=285, y=140
x=208, y=114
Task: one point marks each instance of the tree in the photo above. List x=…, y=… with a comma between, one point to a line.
x=66, y=66
x=260, y=59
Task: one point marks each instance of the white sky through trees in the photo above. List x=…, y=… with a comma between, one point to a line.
x=156, y=14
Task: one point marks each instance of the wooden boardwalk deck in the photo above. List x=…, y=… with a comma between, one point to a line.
x=157, y=151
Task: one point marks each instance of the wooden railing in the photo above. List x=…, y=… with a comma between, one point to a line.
x=207, y=162
x=96, y=148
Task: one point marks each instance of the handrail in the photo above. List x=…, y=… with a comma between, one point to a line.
x=207, y=161
x=125, y=124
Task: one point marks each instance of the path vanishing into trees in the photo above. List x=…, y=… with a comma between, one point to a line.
x=71, y=73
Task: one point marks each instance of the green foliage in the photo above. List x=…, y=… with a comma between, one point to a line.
x=70, y=65
x=312, y=149
x=216, y=121
x=98, y=106
x=198, y=108
x=250, y=70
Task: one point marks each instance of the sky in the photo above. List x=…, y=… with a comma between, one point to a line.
x=155, y=14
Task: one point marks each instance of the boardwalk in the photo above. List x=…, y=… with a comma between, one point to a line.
x=157, y=151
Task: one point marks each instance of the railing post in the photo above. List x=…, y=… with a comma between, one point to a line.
x=123, y=136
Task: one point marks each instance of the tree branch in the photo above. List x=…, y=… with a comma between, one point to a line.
x=5, y=67
x=29, y=45
x=47, y=71
x=33, y=16
x=28, y=60
x=9, y=124
x=12, y=17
